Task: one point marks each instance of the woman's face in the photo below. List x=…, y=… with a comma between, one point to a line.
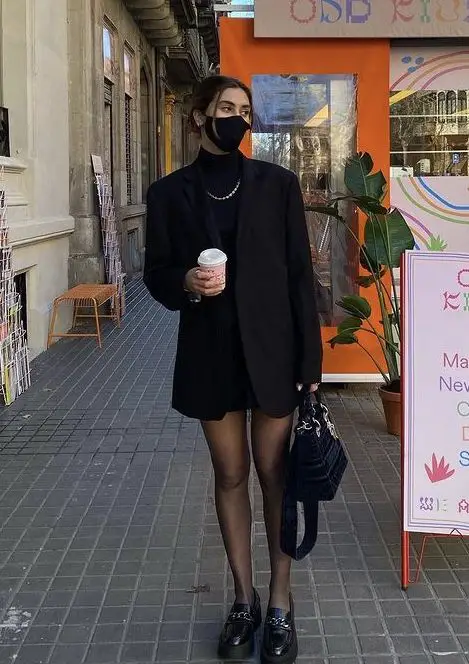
x=232, y=101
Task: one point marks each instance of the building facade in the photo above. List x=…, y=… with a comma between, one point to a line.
x=112, y=115
x=133, y=63
x=35, y=154
x=91, y=77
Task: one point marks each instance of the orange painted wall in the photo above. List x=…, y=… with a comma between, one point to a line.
x=243, y=56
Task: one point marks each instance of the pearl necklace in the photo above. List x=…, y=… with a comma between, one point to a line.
x=225, y=198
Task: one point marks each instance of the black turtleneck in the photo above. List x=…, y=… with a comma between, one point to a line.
x=220, y=175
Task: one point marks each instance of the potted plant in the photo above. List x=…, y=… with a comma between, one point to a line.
x=386, y=236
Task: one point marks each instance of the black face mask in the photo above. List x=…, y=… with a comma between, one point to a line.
x=226, y=133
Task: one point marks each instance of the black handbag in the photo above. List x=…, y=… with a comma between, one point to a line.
x=316, y=464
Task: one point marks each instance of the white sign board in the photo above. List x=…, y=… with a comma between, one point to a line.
x=361, y=19
x=436, y=393
x=97, y=164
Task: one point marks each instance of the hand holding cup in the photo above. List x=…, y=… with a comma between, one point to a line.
x=209, y=278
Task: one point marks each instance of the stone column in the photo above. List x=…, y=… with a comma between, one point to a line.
x=86, y=120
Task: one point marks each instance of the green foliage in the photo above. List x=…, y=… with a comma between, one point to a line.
x=387, y=236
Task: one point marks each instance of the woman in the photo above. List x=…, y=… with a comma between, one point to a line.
x=242, y=348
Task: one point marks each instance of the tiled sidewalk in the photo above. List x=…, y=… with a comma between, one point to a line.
x=109, y=546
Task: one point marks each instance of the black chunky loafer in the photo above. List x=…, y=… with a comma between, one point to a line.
x=280, y=643
x=238, y=634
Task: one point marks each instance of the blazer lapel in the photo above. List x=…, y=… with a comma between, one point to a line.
x=197, y=204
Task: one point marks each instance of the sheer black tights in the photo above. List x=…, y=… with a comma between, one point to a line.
x=228, y=443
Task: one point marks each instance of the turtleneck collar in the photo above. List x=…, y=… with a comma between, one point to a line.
x=226, y=163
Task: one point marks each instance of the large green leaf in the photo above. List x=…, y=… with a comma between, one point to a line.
x=387, y=237
x=355, y=306
x=350, y=325
x=343, y=339
x=367, y=262
x=361, y=181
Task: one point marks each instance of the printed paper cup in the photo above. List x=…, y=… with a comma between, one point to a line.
x=213, y=261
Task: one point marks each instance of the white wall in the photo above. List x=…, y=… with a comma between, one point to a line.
x=36, y=91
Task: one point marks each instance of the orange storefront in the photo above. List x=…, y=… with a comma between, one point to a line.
x=353, y=93
x=318, y=101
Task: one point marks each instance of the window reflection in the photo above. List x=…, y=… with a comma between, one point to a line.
x=307, y=123
x=108, y=54
x=430, y=132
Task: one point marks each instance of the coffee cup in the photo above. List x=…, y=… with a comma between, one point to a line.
x=213, y=262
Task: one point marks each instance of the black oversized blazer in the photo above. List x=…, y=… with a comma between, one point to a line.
x=275, y=290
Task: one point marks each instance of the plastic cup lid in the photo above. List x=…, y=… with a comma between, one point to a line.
x=211, y=257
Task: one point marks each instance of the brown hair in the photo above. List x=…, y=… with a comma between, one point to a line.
x=208, y=89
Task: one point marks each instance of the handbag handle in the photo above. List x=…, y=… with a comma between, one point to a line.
x=289, y=532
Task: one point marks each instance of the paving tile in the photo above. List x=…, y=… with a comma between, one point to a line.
x=33, y=654
x=102, y=653
x=107, y=524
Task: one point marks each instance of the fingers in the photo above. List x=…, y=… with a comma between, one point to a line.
x=210, y=291
x=202, y=275
x=204, y=285
x=314, y=387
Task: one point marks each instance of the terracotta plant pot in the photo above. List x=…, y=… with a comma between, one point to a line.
x=392, y=410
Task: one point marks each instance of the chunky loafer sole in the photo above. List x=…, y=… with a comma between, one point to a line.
x=243, y=651
x=288, y=658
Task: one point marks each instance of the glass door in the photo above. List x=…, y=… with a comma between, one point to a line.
x=308, y=123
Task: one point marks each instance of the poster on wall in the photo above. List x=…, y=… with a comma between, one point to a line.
x=436, y=393
x=361, y=19
x=429, y=121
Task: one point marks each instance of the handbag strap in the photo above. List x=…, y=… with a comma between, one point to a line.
x=289, y=532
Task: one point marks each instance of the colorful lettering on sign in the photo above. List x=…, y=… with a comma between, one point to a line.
x=451, y=301
x=360, y=11
x=463, y=277
x=451, y=385
x=430, y=504
x=363, y=12
x=400, y=10
x=425, y=16
x=328, y=5
x=455, y=361
x=305, y=17
x=458, y=300
x=463, y=408
x=463, y=506
x=464, y=459
x=448, y=10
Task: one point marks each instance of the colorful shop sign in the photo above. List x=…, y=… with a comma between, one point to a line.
x=361, y=18
x=436, y=393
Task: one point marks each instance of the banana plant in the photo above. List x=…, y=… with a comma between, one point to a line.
x=386, y=237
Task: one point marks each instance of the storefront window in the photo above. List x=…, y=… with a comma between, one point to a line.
x=308, y=123
x=430, y=132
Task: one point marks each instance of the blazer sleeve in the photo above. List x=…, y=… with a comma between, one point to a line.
x=162, y=277
x=302, y=288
